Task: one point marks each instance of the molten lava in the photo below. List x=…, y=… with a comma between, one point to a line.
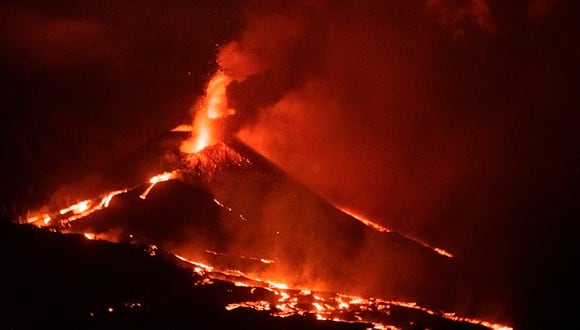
x=382, y=229
x=155, y=180
x=210, y=108
x=280, y=300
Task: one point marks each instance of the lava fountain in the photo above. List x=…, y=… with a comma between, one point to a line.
x=207, y=112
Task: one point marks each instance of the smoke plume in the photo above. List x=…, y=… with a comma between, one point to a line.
x=380, y=107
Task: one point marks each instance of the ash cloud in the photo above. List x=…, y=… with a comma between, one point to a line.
x=463, y=142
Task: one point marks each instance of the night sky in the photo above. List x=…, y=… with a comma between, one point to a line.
x=455, y=122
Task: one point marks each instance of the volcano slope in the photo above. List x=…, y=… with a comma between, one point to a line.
x=228, y=207
x=65, y=281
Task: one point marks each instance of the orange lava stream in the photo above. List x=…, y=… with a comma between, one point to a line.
x=89, y=206
x=366, y=221
x=155, y=180
x=323, y=306
x=382, y=229
x=74, y=212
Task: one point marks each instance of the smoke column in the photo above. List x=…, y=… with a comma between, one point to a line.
x=449, y=121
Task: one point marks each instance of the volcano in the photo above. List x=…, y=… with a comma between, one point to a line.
x=227, y=226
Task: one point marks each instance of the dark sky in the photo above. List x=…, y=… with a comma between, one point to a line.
x=455, y=122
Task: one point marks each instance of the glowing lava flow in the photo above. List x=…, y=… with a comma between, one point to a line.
x=155, y=180
x=211, y=107
x=382, y=229
x=89, y=206
x=279, y=300
x=74, y=212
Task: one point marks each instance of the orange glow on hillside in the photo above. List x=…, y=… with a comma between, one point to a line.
x=211, y=107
